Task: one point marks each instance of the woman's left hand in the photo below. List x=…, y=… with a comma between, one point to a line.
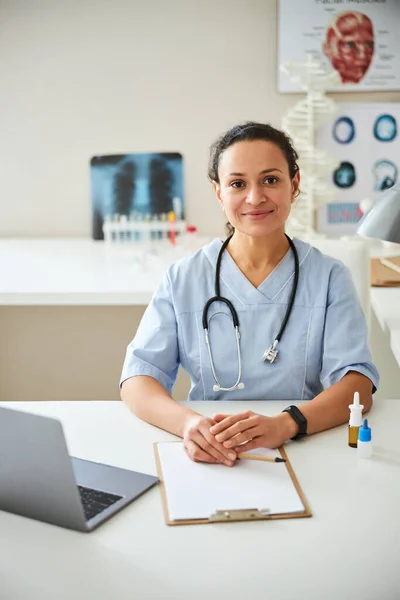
x=248, y=430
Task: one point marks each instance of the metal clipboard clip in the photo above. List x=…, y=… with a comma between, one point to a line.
x=242, y=514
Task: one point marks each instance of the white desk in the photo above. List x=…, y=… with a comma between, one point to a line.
x=73, y=272
x=349, y=549
x=82, y=272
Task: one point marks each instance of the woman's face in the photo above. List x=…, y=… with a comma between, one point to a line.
x=255, y=188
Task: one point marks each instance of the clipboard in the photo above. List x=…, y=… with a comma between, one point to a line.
x=384, y=276
x=226, y=514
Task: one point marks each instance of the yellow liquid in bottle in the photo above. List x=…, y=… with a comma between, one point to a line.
x=353, y=436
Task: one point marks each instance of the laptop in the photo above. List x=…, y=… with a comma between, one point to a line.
x=39, y=480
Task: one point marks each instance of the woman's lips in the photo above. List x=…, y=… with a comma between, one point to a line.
x=258, y=215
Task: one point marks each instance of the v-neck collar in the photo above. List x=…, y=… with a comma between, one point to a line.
x=237, y=284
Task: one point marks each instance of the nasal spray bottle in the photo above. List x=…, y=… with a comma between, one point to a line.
x=356, y=420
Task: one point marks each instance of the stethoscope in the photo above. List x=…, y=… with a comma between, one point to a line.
x=270, y=353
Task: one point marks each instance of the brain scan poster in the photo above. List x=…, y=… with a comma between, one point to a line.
x=357, y=39
x=365, y=140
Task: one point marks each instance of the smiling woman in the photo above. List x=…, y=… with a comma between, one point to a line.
x=255, y=175
x=256, y=290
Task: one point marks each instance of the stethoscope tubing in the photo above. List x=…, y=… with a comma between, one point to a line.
x=235, y=319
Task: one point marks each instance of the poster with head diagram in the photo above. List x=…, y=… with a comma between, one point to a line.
x=357, y=39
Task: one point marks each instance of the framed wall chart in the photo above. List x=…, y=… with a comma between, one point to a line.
x=359, y=39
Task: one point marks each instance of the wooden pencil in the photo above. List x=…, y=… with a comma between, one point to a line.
x=276, y=459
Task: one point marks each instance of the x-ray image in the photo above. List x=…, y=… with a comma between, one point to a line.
x=385, y=173
x=140, y=184
x=344, y=130
x=385, y=128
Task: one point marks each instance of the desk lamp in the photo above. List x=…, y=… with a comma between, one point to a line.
x=382, y=220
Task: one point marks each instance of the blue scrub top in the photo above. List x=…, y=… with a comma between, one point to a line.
x=326, y=335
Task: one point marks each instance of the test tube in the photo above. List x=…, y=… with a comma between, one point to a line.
x=177, y=208
x=172, y=227
x=147, y=227
x=139, y=226
x=107, y=229
x=132, y=226
x=123, y=234
x=154, y=234
x=164, y=226
x=115, y=228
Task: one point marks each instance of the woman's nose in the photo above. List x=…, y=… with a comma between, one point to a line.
x=255, y=195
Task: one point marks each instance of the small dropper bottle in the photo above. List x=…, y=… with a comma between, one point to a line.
x=356, y=420
x=364, y=448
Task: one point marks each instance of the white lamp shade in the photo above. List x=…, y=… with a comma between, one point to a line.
x=382, y=221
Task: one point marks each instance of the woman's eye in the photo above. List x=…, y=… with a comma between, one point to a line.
x=237, y=184
x=271, y=180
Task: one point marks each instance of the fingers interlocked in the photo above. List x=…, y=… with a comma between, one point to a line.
x=201, y=446
x=237, y=429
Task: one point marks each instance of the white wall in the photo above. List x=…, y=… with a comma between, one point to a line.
x=85, y=77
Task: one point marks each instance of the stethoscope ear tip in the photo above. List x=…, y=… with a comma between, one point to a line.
x=216, y=388
x=240, y=386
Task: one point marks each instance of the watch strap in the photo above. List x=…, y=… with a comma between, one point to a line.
x=299, y=419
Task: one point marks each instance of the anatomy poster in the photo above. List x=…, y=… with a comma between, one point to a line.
x=359, y=39
x=365, y=140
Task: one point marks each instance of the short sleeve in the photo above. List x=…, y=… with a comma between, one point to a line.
x=345, y=343
x=154, y=349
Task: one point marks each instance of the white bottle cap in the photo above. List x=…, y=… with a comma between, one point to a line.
x=356, y=419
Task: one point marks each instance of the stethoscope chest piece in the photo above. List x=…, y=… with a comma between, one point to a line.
x=271, y=353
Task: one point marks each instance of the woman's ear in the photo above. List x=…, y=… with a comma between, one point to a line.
x=217, y=190
x=295, y=186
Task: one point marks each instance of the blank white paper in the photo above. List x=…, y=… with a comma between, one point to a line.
x=197, y=490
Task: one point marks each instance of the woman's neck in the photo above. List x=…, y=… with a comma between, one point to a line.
x=258, y=254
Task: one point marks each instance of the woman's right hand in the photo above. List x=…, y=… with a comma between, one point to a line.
x=201, y=446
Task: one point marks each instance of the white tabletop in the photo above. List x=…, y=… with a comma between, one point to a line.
x=348, y=549
x=75, y=271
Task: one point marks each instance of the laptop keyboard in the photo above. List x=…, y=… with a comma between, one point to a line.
x=95, y=501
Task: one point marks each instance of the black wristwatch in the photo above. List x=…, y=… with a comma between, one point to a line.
x=300, y=419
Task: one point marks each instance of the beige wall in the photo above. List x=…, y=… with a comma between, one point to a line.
x=80, y=78
x=66, y=353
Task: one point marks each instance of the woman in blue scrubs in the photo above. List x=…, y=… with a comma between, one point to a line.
x=270, y=283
